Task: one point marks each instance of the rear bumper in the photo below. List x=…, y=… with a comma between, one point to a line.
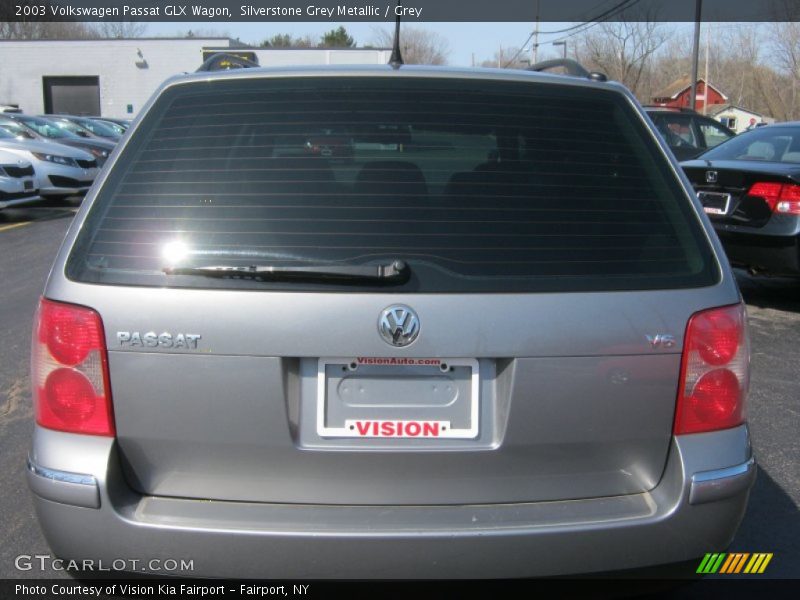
x=88, y=512
x=773, y=254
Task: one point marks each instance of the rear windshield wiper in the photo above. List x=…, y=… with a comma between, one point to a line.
x=395, y=272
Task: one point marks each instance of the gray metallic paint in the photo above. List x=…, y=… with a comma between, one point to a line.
x=319, y=509
x=561, y=429
x=719, y=484
x=74, y=489
x=323, y=541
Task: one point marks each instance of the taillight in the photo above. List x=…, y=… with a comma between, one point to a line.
x=69, y=370
x=715, y=371
x=783, y=198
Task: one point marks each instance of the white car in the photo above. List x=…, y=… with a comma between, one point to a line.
x=61, y=171
x=17, y=183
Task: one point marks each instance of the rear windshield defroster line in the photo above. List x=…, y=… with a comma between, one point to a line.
x=478, y=185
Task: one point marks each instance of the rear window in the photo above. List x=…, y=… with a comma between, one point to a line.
x=478, y=185
x=768, y=144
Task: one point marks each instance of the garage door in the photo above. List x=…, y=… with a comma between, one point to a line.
x=72, y=95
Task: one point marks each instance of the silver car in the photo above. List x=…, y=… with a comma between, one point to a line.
x=61, y=171
x=47, y=131
x=505, y=344
x=17, y=185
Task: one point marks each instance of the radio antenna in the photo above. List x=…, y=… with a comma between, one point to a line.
x=396, y=60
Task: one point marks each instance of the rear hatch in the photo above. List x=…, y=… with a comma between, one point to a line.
x=530, y=352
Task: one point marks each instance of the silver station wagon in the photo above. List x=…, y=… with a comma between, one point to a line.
x=500, y=339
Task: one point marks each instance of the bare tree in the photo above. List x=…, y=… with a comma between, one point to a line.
x=12, y=28
x=418, y=46
x=785, y=54
x=672, y=62
x=508, y=58
x=121, y=29
x=623, y=50
x=40, y=30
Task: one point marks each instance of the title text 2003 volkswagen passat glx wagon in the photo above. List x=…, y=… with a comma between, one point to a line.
x=499, y=340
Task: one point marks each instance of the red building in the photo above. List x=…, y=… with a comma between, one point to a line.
x=678, y=94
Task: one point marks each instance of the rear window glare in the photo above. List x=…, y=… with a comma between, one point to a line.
x=478, y=185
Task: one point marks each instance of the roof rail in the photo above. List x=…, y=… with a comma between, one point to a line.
x=222, y=61
x=572, y=67
x=683, y=109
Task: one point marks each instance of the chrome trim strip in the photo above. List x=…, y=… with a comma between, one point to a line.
x=61, y=476
x=709, y=486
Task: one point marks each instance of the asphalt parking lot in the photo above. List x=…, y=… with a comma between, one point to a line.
x=30, y=237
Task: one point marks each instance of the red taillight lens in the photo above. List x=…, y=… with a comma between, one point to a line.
x=781, y=198
x=717, y=335
x=714, y=372
x=69, y=370
x=70, y=334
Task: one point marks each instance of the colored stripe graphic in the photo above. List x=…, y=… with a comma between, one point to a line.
x=741, y=562
x=710, y=563
x=734, y=563
x=758, y=563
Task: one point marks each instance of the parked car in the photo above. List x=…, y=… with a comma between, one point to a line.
x=750, y=188
x=116, y=126
x=687, y=132
x=17, y=185
x=61, y=171
x=16, y=131
x=124, y=124
x=516, y=350
x=330, y=143
x=85, y=127
x=47, y=131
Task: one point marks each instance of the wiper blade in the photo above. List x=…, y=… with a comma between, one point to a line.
x=395, y=272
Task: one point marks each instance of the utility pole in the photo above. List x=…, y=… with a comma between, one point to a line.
x=705, y=85
x=535, y=45
x=698, y=9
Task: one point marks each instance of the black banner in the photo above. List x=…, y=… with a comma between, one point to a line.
x=205, y=589
x=226, y=11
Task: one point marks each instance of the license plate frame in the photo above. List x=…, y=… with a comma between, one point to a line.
x=444, y=430
x=721, y=202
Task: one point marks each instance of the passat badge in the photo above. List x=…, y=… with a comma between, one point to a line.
x=151, y=339
x=398, y=325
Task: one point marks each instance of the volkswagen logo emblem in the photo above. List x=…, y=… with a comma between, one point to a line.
x=398, y=325
x=711, y=177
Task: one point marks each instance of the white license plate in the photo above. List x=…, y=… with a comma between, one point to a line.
x=715, y=203
x=406, y=398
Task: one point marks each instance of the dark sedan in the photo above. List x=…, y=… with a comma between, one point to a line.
x=687, y=133
x=750, y=188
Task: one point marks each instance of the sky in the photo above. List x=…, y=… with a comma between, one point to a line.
x=482, y=40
